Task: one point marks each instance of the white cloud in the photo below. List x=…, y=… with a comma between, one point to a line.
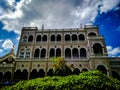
x=7, y=44
x=1, y=40
x=1, y=50
x=52, y=13
x=113, y=51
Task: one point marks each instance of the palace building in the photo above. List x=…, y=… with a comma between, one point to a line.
x=83, y=48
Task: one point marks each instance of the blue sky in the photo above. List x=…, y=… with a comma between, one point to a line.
x=14, y=14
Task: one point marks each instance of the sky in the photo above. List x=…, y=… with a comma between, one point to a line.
x=15, y=14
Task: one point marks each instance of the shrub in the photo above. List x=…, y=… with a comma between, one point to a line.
x=93, y=80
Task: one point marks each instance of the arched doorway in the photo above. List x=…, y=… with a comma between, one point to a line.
x=17, y=75
x=76, y=71
x=115, y=75
x=84, y=70
x=102, y=69
x=1, y=76
x=50, y=72
x=7, y=76
x=67, y=53
x=41, y=73
x=33, y=74
x=97, y=48
x=24, y=74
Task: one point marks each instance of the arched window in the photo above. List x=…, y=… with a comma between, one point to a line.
x=24, y=38
x=92, y=34
x=44, y=38
x=37, y=53
x=30, y=39
x=43, y=53
x=52, y=52
x=83, y=52
x=74, y=37
x=58, y=52
x=81, y=37
x=27, y=55
x=75, y=53
x=22, y=53
x=58, y=37
x=67, y=37
x=102, y=69
x=38, y=38
x=67, y=53
x=52, y=37
x=97, y=48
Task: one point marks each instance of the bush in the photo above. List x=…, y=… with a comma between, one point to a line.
x=93, y=80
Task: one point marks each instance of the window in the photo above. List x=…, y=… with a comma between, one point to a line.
x=22, y=52
x=74, y=37
x=44, y=38
x=81, y=37
x=52, y=37
x=58, y=37
x=37, y=53
x=38, y=38
x=67, y=37
x=28, y=53
x=24, y=38
x=30, y=39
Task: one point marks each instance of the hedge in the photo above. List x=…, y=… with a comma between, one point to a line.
x=93, y=80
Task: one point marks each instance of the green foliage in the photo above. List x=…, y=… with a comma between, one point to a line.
x=93, y=80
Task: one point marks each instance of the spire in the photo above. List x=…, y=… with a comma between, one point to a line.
x=80, y=25
x=12, y=50
x=42, y=27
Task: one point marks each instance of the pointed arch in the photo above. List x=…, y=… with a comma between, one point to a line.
x=58, y=37
x=38, y=38
x=44, y=38
x=37, y=53
x=67, y=53
x=43, y=53
x=22, y=53
x=67, y=37
x=97, y=48
x=34, y=74
x=58, y=52
x=76, y=71
x=52, y=52
x=102, y=69
x=50, y=72
x=52, y=37
x=24, y=74
x=74, y=37
x=83, y=52
x=17, y=75
x=41, y=73
x=1, y=76
x=92, y=34
x=7, y=76
x=30, y=39
x=81, y=37
x=28, y=51
x=75, y=53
